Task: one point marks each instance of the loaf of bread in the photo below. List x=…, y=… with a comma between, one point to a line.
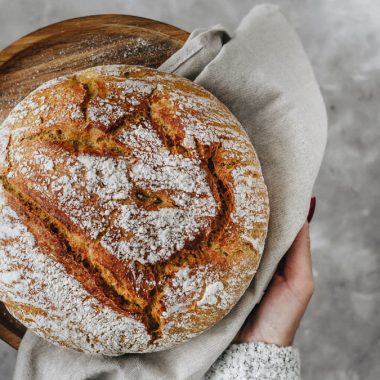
x=133, y=210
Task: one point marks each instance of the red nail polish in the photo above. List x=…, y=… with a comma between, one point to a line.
x=313, y=202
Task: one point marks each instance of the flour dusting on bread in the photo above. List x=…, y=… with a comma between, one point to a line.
x=133, y=208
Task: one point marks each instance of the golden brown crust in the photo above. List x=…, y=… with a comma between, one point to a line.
x=146, y=190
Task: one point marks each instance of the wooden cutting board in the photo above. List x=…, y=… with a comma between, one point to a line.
x=70, y=46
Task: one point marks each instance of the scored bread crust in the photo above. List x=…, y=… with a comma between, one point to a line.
x=134, y=211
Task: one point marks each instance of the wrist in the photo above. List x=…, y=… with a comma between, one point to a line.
x=269, y=336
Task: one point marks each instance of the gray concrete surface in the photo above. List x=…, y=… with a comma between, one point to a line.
x=340, y=335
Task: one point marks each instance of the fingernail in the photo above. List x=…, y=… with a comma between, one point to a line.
x=313, y=202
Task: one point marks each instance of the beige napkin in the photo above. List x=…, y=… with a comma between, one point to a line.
x=262, y=74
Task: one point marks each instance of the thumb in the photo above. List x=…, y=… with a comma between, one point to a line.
x=297, y=270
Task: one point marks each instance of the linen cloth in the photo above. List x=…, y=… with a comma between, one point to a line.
x=262, y=74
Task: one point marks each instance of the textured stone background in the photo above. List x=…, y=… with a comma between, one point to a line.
x=340, y=335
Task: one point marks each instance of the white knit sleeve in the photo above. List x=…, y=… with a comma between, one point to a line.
x=255, y=361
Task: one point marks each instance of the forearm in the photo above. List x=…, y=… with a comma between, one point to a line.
x=256, y=361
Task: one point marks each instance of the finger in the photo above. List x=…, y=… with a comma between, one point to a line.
x=298, y=262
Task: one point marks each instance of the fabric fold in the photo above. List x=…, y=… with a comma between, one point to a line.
x=202, y=46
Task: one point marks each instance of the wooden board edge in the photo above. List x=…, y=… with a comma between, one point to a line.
x=9, y=337
x=110, y=19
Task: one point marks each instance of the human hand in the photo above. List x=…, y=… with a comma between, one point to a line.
x=277, y=317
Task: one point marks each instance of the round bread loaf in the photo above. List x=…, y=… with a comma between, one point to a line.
x=133, y=210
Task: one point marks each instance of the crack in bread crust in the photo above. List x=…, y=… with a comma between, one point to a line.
x=7, y=158
x=222, y=218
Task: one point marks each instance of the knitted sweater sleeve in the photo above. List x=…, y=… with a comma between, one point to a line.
x=255, y=361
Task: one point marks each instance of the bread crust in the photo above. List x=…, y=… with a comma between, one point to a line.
x=134, y=210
